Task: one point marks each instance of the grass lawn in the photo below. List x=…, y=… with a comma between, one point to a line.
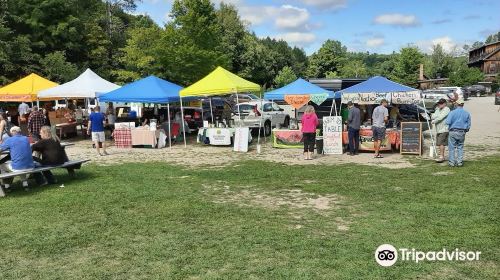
x=253, y=220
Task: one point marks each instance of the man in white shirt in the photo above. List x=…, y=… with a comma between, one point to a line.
x=379, y=120
x=23, y=109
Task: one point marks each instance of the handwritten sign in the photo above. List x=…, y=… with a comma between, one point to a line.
x=365, y=98
x=332, y=135
x=319, y=98
x=411, y=138
x=353, y=97
x=241, y=139
x=297, y=101
x=410, y=97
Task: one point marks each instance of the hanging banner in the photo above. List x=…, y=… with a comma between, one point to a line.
x=410, y=97
x=366, y=98
x=297, y=101
x=319, y=98
x=353, y=97
x=373, y=98
x=332, y=135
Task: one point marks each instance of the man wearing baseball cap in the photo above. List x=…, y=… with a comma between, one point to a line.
x=458, y=122
x=439, y=121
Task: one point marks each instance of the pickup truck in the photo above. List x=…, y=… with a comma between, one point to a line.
x=253, y=114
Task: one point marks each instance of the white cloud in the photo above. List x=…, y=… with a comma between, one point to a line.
x=375, y=42
x=446, y=42
x=396, y=19
x=286, y=17
x=290, y=17
x=301, y=39
x=326, y=4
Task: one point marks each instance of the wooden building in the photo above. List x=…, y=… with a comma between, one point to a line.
x=486, y=58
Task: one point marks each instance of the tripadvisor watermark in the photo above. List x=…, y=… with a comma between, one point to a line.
x=387, y=255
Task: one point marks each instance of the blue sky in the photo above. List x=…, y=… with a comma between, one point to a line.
x=381, y=26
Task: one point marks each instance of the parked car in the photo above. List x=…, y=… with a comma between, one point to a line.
x=194, y=116
x=254, y=113
x=241, y=98
x=476, y=90
x=461, y=93
x=432, y=96
x=497, y=98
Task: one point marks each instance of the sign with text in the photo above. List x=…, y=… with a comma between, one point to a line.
x=365, y=98
x=410, y=97
x=332, y=135
x=353, y=97
x=297, y=101
x=411, y=138
x=241, y=139
x=319, y=98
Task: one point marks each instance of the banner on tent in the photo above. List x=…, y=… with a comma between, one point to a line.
x=332, y=135
x=353, y=97
x=410, y=97
x=319, y=98
x=365, y=98
x=297, y=101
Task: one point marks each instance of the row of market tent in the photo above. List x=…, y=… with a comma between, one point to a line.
x=219, y=82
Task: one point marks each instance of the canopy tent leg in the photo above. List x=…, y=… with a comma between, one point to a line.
x=239, y=113
x=335, y=106
x=211, y=110
x=430, y=129
x=331, y=108
x=260, y=125
x=169, y=129
x=38, y=103
x=183, y=127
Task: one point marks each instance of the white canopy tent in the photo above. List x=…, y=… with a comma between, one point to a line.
x=87, y=85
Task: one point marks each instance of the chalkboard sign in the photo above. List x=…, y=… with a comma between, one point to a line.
x=411, y=138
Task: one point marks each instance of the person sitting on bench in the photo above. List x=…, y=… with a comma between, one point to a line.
x=20, y=154
x=52, y=153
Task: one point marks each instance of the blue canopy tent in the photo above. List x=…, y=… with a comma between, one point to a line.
x=148, y=90
x=379, y=86
x=300, y=86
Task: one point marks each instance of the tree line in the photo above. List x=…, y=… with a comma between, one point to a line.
x=60, y=38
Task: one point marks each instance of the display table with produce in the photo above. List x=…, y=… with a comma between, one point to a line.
x=217, y=136
x=392, y=139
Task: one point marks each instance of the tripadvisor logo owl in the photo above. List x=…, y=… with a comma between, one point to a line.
x=387, y=255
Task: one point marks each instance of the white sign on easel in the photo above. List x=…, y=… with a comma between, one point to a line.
x=241, y=139
x=332, y=135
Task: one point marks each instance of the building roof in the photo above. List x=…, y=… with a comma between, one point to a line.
x=484, y=45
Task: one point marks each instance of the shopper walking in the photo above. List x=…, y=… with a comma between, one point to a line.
x=96, y=125
x=309, y=123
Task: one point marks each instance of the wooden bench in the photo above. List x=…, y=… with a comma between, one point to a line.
x=24, y=174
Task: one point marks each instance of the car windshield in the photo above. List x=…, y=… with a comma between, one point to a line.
x=244, y=107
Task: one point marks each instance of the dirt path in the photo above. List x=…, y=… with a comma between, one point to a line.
x=483, y=139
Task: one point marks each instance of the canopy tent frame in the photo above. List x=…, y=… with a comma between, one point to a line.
x=218, y=82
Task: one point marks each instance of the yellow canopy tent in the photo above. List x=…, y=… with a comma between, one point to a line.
x=219, y=82
x=25, y=89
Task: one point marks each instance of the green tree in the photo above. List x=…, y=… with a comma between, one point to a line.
x=463, y=75
x=55, y=67
x=232, y=33
x=284, y=77
x=141, y=55
x=406, y=68
x=191, y=42
x=257, y=62
x=440, y=63
x=493, y=38
x=299, y=62
x=353, y=69
x=330, y=57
